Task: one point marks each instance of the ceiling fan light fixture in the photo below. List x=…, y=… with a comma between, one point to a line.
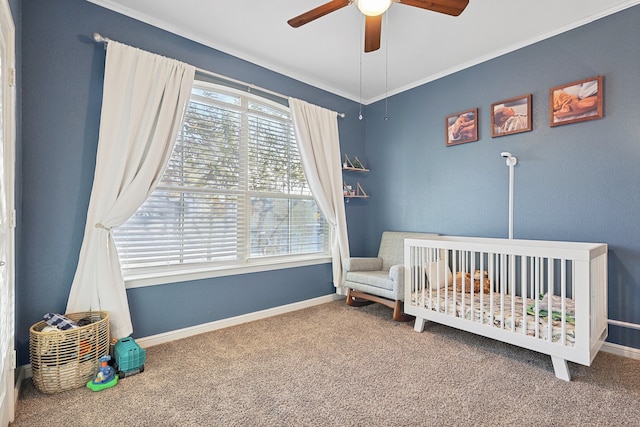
x=373, y=7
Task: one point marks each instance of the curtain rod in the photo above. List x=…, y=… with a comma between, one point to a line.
x=99, y=38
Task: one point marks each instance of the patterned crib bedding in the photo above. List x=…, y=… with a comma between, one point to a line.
x=509, y=313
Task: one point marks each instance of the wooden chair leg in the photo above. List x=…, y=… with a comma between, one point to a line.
x=399, y=314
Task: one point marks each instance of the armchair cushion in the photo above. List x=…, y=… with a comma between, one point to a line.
x=379, y=279
x=362, y=264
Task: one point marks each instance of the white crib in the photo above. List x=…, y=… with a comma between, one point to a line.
x=509, y=289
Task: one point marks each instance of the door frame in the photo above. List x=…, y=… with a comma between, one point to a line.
x=7, y=28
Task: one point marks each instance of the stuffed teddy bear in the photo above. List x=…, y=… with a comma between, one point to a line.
x=478, y=277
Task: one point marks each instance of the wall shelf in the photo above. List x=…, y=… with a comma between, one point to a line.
x=353, y=166
x=358, y=193
x=355, y=169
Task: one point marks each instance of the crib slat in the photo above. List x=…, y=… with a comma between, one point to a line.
x=435, y=254
x=563, y=295
x=426, y=290
x=536, y=295
x=550, y=302
x=447, y=261
x=482, y=256
x=492, y=278
x=523, y=290
x=418, y=260
x=512, y=290
x=464, y=283
x=503, y=285
x=412, y=265
x=472, y=284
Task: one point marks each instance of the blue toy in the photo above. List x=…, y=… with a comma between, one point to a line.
x=105, y=378
x=129, y=357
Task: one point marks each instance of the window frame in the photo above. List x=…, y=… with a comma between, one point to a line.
x=159, y=275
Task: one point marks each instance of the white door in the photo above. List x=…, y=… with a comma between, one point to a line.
x=7, y=216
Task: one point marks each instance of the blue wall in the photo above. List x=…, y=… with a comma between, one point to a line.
x=574, y=182
x=578, y=182
x=62, y=74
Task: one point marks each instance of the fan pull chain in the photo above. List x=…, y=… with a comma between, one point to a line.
x=386, y=64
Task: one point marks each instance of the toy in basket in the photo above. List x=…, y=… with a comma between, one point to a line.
x=129, y=357
x=105, y=378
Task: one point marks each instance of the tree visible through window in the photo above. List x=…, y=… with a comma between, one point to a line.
x=234, y=190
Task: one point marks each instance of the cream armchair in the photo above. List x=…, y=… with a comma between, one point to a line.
x=380, y=279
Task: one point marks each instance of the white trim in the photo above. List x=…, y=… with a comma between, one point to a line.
x=165, y=277
x=8, y=111
x=620, y=350
x=232, y=321
x=24, y=373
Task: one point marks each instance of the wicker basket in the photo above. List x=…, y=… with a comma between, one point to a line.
x=63, y=360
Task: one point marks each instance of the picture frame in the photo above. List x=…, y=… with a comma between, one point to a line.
x=511, y=116
x=461, y=127
x=578, y=101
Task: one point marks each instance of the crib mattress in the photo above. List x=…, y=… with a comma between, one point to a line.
x=497, y=310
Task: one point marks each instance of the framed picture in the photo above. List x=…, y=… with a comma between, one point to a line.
x=511, y=116
x=576, y=102
x=462, y=127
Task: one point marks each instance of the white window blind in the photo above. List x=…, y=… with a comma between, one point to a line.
x=233, y=191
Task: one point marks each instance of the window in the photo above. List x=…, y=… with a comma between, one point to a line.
x=233, y=192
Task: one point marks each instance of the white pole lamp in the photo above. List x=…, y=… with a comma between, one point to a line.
x=512, y=161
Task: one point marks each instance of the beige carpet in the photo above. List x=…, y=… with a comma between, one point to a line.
x=334, y=365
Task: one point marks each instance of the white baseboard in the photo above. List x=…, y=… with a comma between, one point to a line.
x=24, y=372
x=232, y=321
x=620, y=350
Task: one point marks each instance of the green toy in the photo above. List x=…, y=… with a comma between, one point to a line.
x=105, y=378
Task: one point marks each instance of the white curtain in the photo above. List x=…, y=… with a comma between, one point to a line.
x=144, y=99
x=316, y=130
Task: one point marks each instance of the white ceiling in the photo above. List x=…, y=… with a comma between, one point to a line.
x=417, y=45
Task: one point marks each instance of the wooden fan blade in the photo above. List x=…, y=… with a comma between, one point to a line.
x=318, y=12
x=372, y=30
x=448, y=7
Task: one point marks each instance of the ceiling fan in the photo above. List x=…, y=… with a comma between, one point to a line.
x=373, y=11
